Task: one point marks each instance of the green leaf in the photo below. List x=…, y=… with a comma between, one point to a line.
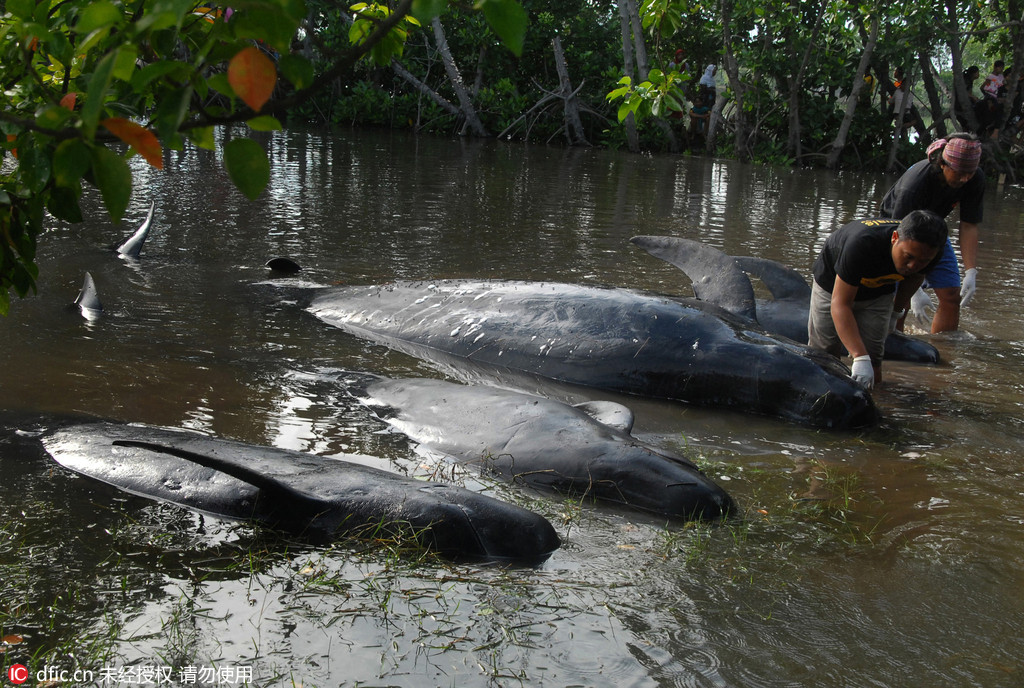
x=203, y=138
x=298, y=70
x=63, y=205
x=247, y=166
x=34, y=167
x=22, y=9
x=114, y=178
x=425, y=10
x=124, y=64
x=71, y=161
x=52, y=116
x=98, y=84
x=508, y=19
x=96, y=16
x=265, y=21
x=265, y=123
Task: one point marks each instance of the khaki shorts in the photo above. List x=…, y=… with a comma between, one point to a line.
x=872, y=317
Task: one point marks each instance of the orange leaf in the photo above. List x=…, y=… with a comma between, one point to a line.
x=68, y=101
x=138, y=137
x=11, y=138
x=12, y=639
x=253, y=76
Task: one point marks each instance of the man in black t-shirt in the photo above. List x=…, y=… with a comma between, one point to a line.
x=947, y=179
x=864, y=269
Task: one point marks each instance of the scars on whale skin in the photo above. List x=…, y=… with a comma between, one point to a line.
x=584, y=450
x=614, y=339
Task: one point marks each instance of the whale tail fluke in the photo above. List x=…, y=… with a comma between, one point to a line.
x=132, y=247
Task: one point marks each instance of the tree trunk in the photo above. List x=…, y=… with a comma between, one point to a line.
x=738, y=87
x=573, y=126
x=934, y=102
x=897, y=129
x=632, y=140
x=962, y=105
x=851, y=103
x=795, y=88
x=473, y=122
x=445, y=104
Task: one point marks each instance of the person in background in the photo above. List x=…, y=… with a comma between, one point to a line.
x=864, y=277
x=948, y=178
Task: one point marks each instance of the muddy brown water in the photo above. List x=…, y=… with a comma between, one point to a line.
x=910, y=574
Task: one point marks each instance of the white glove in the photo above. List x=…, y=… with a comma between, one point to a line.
x=969, y=286
x=894, y=319
x=863, y=372
x=922, y=308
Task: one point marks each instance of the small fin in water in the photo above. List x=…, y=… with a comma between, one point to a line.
x=132, y=247
x=785, y=283
x=609, y=413
x=88, y=301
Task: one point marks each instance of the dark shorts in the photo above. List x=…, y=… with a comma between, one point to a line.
x=946, y=272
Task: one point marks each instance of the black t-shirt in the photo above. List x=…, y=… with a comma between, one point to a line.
x=920, y=188
x=860, y=252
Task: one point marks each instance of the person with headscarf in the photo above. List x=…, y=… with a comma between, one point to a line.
x=707, y=84
x=948, y=178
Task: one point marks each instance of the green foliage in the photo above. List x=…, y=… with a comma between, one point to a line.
x=659, y=96
x=87, y=83
x=368, y=17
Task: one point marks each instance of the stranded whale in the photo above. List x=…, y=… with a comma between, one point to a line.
x=314, y=496
x=614, y=339
x=584, y=450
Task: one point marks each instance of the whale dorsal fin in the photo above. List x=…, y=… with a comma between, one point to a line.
x=715, y=276
x=785, y=283
x=609, y=413
x=88, y=299
x=132, y=247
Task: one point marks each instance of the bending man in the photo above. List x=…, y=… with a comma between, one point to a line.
x=949, y=177
x=863, y=280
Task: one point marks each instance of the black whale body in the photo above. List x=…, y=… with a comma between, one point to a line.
x=584, y=450
x=614, y=339
x=315, y=497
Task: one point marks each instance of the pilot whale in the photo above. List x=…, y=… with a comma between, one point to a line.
x=620, y=340
x=313, y=496
x=721, y=279
x=585, y=450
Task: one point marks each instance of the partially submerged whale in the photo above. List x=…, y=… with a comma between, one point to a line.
x=614, y=339
x=313, y=496
x=722, y=279
x=584, y=450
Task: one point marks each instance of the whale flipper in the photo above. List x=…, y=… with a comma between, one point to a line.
x=132, y=247
x=715, y=276
x=784, y=283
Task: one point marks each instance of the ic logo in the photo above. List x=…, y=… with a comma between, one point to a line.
x=18, y=673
